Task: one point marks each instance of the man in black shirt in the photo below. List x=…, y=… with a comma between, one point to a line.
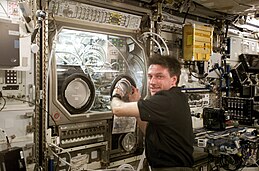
x=164, y=117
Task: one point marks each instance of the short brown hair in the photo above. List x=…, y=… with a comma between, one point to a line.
x=173, y=65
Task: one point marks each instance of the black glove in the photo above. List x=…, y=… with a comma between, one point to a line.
x=122, y=89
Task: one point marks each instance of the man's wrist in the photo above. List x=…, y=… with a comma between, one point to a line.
x=116, y=95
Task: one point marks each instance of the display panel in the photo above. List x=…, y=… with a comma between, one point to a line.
x=9, y=44
x=239, y=74
x=250, y=61
x=97, y=15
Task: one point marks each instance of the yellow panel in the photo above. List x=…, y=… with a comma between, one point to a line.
x=189, y=40
x=197, y=42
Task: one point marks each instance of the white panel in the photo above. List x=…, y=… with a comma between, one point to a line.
x=236, y=48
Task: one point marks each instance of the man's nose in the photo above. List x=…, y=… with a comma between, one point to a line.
x=152, y=80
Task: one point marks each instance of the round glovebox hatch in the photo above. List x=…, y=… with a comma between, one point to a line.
x=118, y=78
x=77, y=93
x=128, y=142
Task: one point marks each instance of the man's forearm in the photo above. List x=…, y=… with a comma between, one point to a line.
x=121, y=108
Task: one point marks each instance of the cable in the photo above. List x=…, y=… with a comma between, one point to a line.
x=69, y=155
x=62, y=160
x=7, y=139
x=123, y=167
x=166, y=47
x=33, y=104
x=189, y=6
x=159, y=46
x=3, y=104
x=198, y=77
x=230, y=162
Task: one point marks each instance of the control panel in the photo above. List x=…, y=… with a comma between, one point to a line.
x=240, y=109
x=198, y=99
x=83, y=133
x=76, y=10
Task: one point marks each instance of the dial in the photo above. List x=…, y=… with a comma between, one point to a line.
x=128, y=142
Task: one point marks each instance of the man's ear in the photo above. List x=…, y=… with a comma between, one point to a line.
x=173, y=80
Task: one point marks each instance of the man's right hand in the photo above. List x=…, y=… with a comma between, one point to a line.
x=134, y=95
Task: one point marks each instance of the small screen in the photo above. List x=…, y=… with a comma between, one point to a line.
x=239, y=74
x=253, y=61
x=9, y=44
x=250, y=61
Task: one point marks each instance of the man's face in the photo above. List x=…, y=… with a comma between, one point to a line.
x=159, y=79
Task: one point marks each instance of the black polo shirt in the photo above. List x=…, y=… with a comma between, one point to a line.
x=169, y=134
